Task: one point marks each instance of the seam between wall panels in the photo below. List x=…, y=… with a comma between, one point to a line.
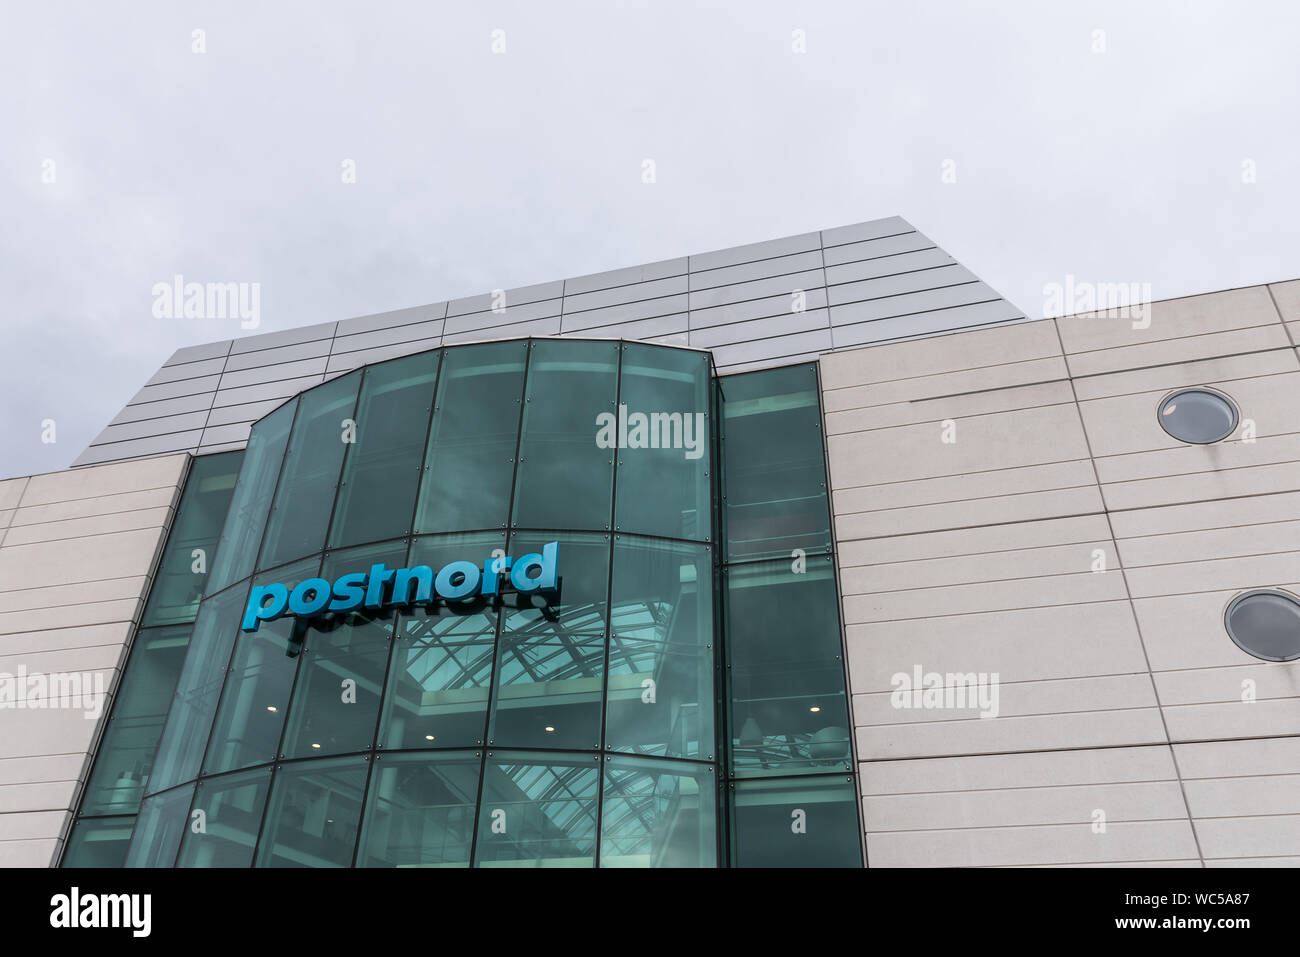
x=216, y=390
x=1128, y=593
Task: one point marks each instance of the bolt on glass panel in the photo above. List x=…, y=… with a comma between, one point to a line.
x=224, y=820
x=98, y=842
x=158, y=828
x=658, y=814
x=420, y=811
x=795, y=822
x=314, y=813
x=538, y=810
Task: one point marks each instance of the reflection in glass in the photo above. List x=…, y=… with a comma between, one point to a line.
x=158, y=828
x=538, y=810
x=98, y=842
x=658, y=814
x=232, y=806
x=762, y=812
x=312, y=818
x=420, y=811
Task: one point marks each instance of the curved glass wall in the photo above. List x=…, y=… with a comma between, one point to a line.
x=578, y=728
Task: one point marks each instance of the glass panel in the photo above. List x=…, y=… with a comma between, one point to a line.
x=98, y=842
x=663, y=460
x=796, y=822
x=158, y=829
x=246, y=519
x=582, y=568
x=661, y=676
x=300, y=516
x=126, y=754
x=469, y=465
x=658, y=814
x=192, y=542
x=773, y=463
x=788, y=707
x=441, y=669
x=313, y=814
x=565, y=476
x=256, y=698
x=189, y=721
x=232, y=806
x=538, y=810
x=420, y=811
x=341, y=680
x=382, y=469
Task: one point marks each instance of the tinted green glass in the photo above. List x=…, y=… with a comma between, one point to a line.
x=98, y=842
x=189, y=720
x=192, y=542
x=774, y=470
x=580, y=606
x=440, y=673
x=420, y=811
x=158, y=829
x=256, y=697
x=796, y=822
x=300, y=516
x=232, y=806
x=658, y=814
x=663, y=469
x=241, y=534
x=341, y=678
x=789, y=711
x=382, y=468
x=126, y=753
x=538, y=810
x=312, y=817
x=565, y=478
x=661, y=674
x=469, y=465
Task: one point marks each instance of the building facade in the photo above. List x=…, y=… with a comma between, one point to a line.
x=808, y=553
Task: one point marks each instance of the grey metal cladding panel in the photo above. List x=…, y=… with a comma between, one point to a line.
x=624, y=312
x=780, y=325
x=814, y=298
x=155, y=426
x=642, y=329
x=361, y=357
x=142, y=448
x=513, y=297
x=512, y=315
x=957, y=319
x=938, y=278
x=875, y=248
x=281, y=370
x=428, y=332
x=755, y=251
x=386, y=320
x=222, y=447
x=873, y=229
x=781, y=347
x=756, y=288
x=248, y=412
x=157, y=410
x=549, y=326
x=781, y=266
x=231, y=432
x=621, y=294
x=910, y=303
x=278, y=389
x=189, y=370
x=174, y=390
x=206, y=350
x=278, y=355
x=288, y=337
x=628, y=276
x=887, y=266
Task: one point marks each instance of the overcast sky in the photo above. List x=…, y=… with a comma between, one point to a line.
x=1114, y=142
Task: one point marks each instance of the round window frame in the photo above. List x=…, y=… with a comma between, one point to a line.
x=1250, y=593
x=1236, y=413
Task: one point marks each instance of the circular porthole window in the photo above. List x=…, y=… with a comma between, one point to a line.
x=1198, y=415
x=1265, y=623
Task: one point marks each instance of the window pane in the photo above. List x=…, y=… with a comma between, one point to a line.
x=583, y=576
x=658, y=814
x=441, y=670
x=344, y=657
x=98, y=842
x=788, y=706
x=189, y=721
x=538, y=810
x=565, y=477
x=764, y=815
x=663, y=470
x=469, y=466
x=125, y=756
x=256, y=698
x=313, y=815
x=232, y=806
x=661, y=674
x=774, y=467
x=178, y=585
x=163, y=819
x=420, y=811
x=241, y=535
x=300, y=515
x=382, y=469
